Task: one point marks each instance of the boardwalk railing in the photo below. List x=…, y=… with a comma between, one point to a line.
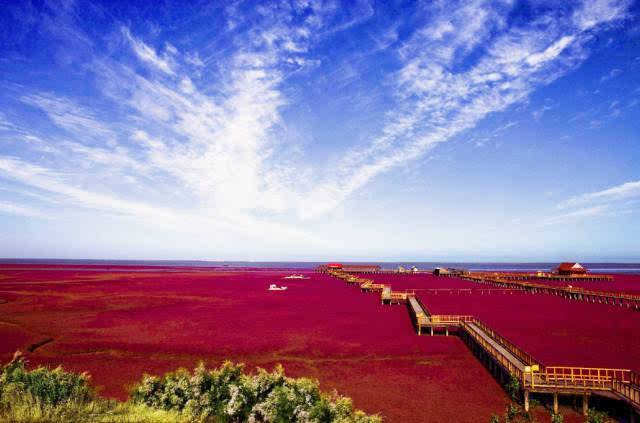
x=443, y=318
x=513, y=349
x=580, y=377
x=518, y=363
x=574, y=293
x=497, y=355
x=629, y=392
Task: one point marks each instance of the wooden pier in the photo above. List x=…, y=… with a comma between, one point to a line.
x=505, y=360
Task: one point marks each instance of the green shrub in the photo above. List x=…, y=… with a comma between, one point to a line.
x=594, y=416
x=513, y=388
x=46, y=387
x=227, y=394
x=557, y=418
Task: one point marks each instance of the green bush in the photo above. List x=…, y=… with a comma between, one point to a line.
x=557, y=418
x=227, y=394
x=46, y=387
x=513, y=388
x=513, y=414
x=594, y=416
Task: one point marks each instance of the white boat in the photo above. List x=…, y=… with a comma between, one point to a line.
x=294, y=276
x=274, y=287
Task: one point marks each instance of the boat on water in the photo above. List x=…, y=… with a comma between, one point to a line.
x=294, y=276
x=274, y=287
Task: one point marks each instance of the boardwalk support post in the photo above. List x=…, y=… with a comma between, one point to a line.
x=526, y=400
x=585, y=404
x=431, y=330
x=555, y=403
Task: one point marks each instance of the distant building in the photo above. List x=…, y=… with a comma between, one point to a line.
x=570, y=269
x=440, y=271
x=401, y=269
x=414, y=269
x=361, y=268
x=334, y=265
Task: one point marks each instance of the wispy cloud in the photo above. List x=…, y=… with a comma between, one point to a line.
x=619, y=199
x=195, y=136
x=613, y=73
x=148, y=55
x=441, y=95
x=620, y=192
x=585, y=212
x=22, y=210
x=68, y=114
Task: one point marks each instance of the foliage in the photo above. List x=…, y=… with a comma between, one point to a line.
x=594, y=416
x=513, y=414
x=227, y=394
x=47, y=387
x=557, y=418
x=45, y=395
x=513, y=388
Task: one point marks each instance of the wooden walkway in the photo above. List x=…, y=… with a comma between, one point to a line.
x=507, y=361
x=571, y=293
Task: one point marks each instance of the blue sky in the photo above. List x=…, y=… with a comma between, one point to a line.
x=472, y=130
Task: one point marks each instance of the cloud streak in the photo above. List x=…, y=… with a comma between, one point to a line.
x=440, y=94
x=625, y=191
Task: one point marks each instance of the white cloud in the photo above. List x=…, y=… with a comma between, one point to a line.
x=595, y=12
x=586, y=212
x=21, y=210
x=615, y=72
x=616, y=193
x=435, y=103
x=148, y=54
x=212, y=136
x=68, y=114
x=550, y=52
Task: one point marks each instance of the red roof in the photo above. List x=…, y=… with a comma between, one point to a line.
x=570, y=267
x=334, y=265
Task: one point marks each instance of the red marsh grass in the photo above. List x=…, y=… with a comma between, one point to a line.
x=118, y=324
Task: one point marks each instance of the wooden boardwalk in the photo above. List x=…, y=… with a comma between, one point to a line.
x=572, y=293
x=507, y=361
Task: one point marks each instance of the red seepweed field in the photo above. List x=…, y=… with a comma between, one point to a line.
x=118, y=322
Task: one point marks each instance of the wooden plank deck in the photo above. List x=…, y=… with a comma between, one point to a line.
x=515, y=361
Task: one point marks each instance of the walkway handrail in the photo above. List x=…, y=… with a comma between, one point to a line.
x=627, y=391
x=489, y=278
x=623, y=382
x=592, y=377
x=518, y=352
x=450, y=318
x=426, y=310
x=498, y=356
